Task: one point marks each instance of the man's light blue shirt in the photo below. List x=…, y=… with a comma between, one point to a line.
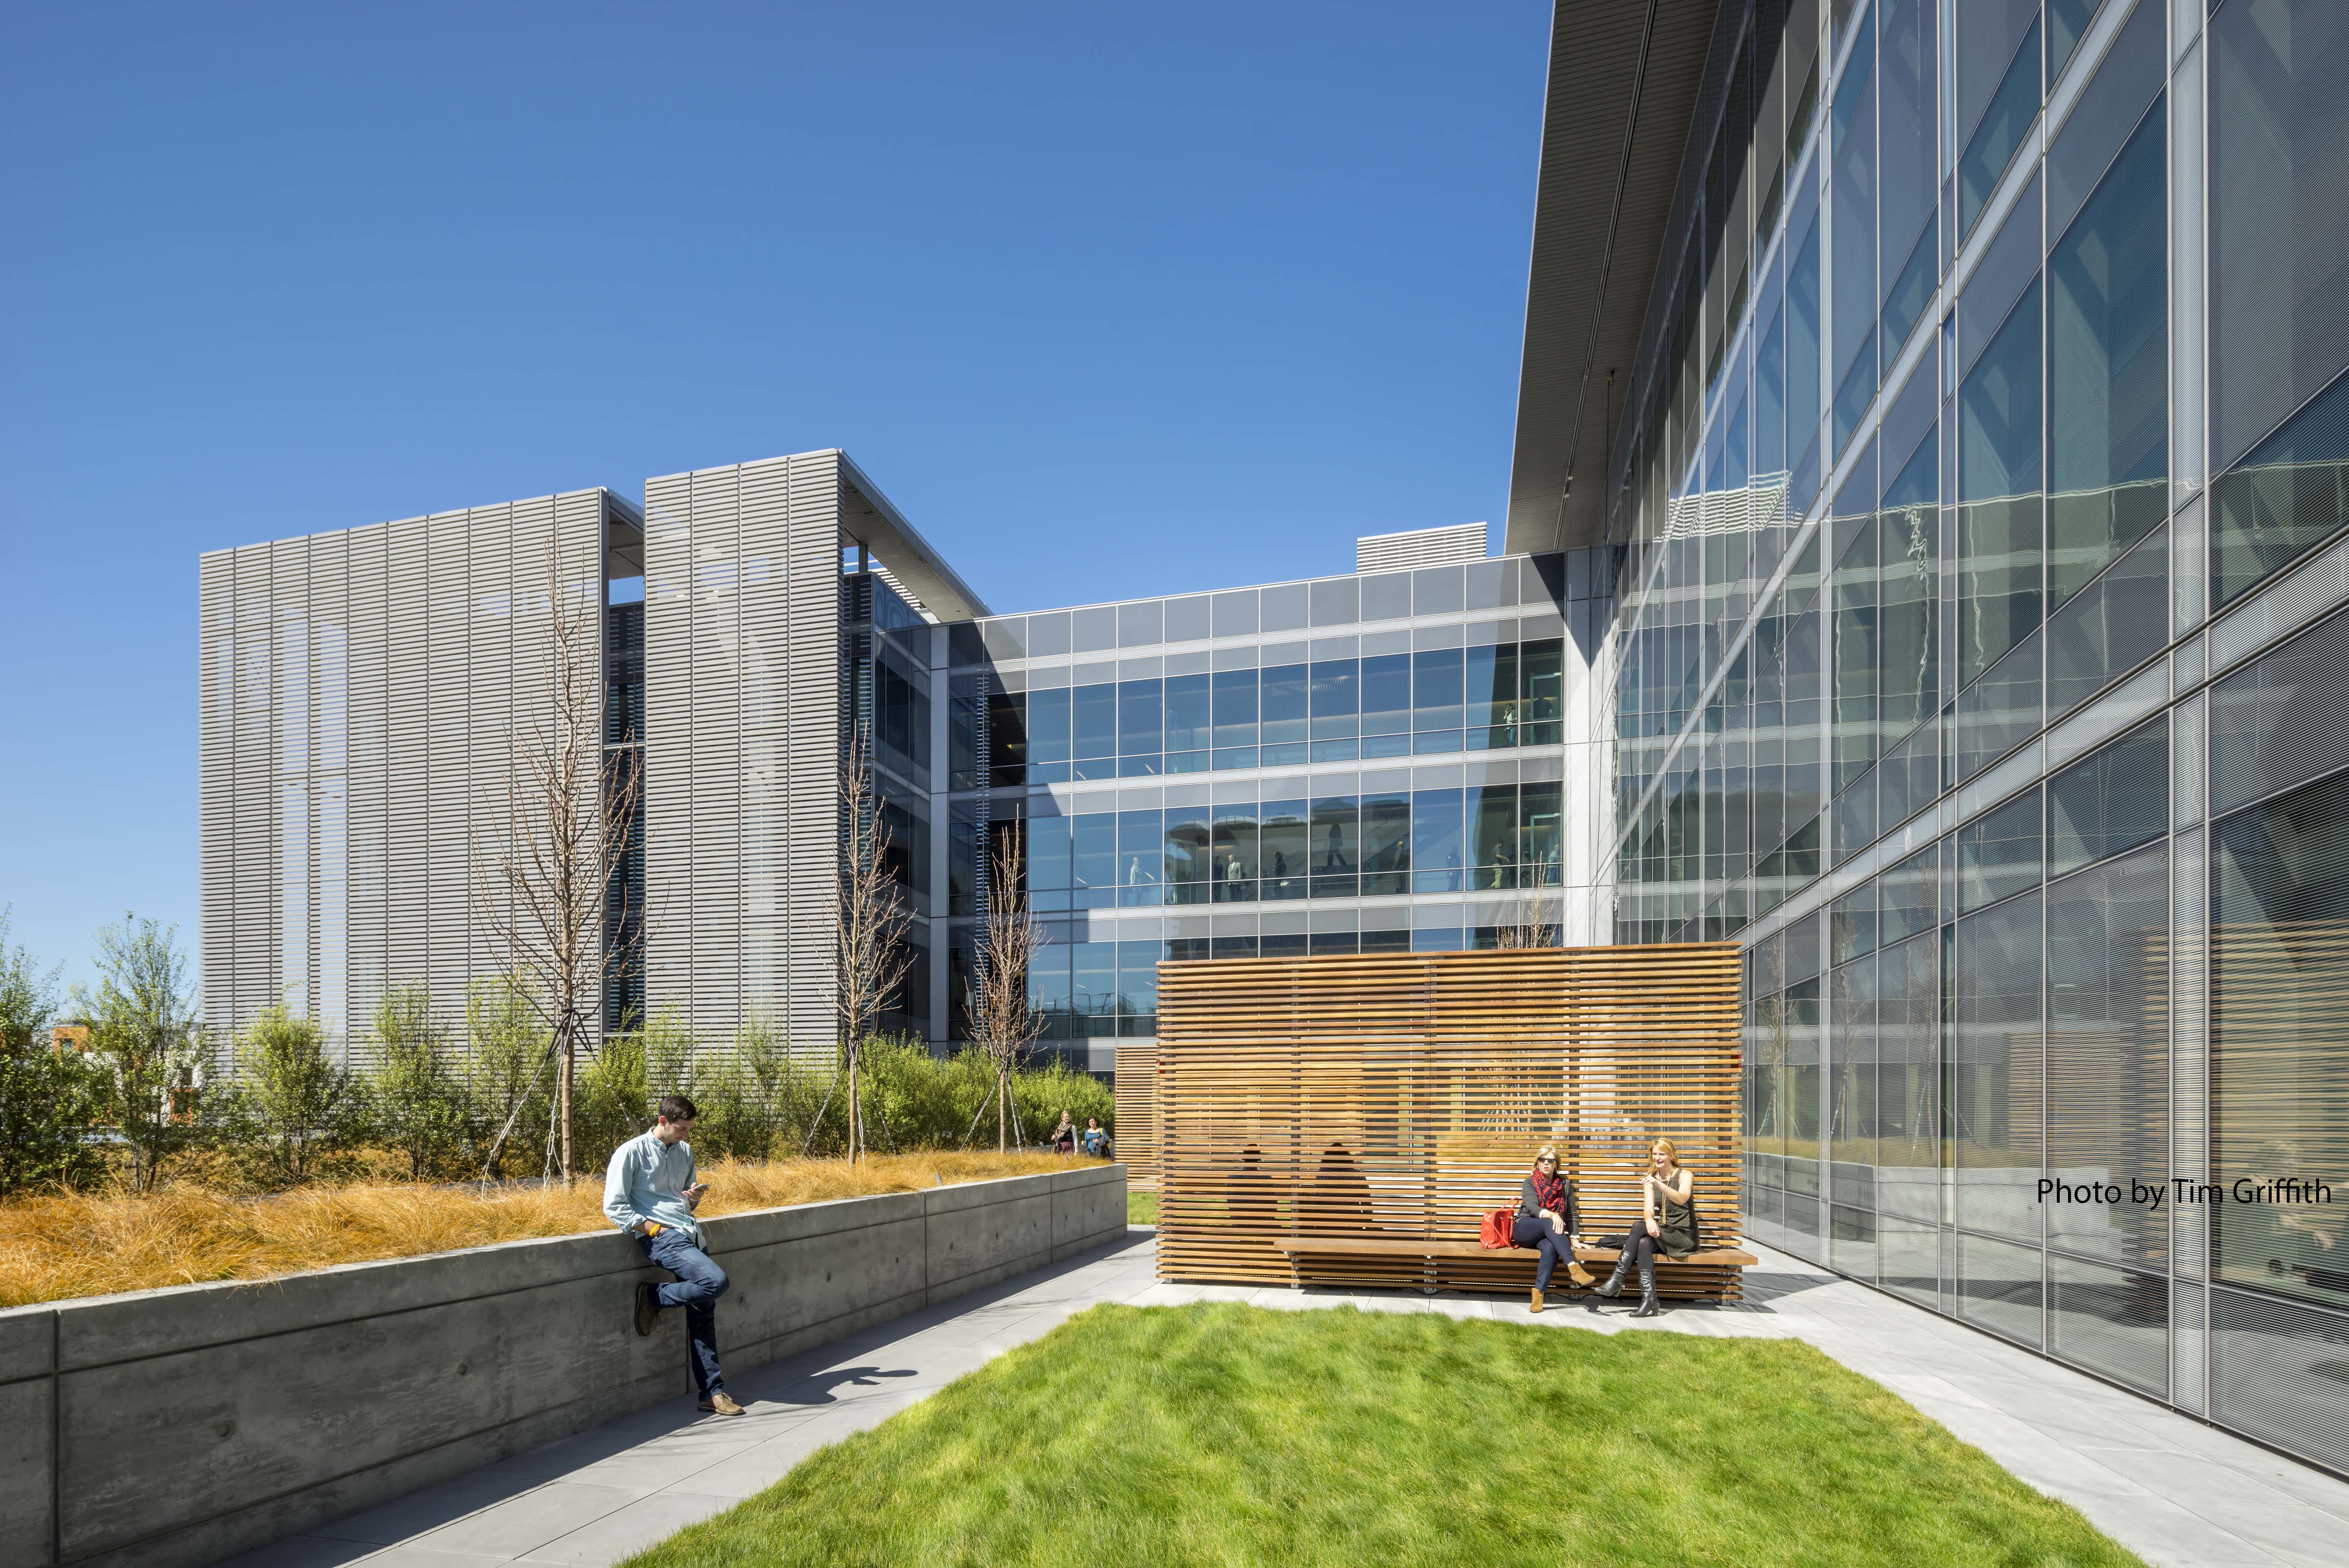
x=647, y=1180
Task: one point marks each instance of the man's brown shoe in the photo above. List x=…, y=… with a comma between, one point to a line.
x=647, y=1309
x=1536, y=1305
x=718, y=1404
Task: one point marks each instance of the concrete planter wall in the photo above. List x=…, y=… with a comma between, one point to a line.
x=174, y=1428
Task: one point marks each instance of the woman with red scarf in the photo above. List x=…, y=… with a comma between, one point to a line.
x=1546, y=1221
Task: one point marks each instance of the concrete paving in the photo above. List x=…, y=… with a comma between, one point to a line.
x=2178, y=1493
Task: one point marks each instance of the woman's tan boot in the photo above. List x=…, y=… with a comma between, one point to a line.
x=1536, y=1305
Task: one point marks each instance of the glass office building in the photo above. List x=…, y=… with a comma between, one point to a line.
x=1375, y=762
x=1977, y=451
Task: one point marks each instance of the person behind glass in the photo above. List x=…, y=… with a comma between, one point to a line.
x=1545, y=1222
x=1667, y=1224
x=650, y=1194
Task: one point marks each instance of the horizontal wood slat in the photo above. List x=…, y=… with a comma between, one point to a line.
x=1135, y=1134
x=1398, y=1096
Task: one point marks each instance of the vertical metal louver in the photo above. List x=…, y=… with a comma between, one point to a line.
x=742, y=719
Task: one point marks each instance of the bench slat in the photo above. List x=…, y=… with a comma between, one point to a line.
x=1371, y=1247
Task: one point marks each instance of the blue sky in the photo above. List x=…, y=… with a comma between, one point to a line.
x=1108, y=299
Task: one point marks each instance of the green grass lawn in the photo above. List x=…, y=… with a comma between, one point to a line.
x=1141, y=1208
x=1223, y=1434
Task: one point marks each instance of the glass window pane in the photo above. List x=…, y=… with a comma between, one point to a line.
x=2108, y=1057
x=1093, y=987
x=1140, y=857
x=1140, y=625
x=1095, y=630
x=1235, y=854
x=1336, y=845
x=1186, y=713
x=1853, y=195
x=1187, y=853
x=1282, y=609
x=2011, y=111
x=1995, y=1116
x=2290, y=492
x=1386, y=844
x=1803, y=336
x=1137, y=977
x=1335, y=602
x=1284, y=855
x=2108, y=370
x=1334, y=699
x=1234, y=613
x=1141, y=718
x=2280, y=1039
x=1998, y=853
x=1436, y=590
x=1493, y=814
x=2114, y=99
x=1386, y=596
x=1540, y=836
x=1093, y=837
x=1187, y=619
x=1436, y=838
x=2279, y=213
x=1235, y=707
x=2115, y=799
x=1386, y=694
x=1093, y=711
x=1284, y=700
x=1048, y=727
x=1436, y=687
x=1998, y=491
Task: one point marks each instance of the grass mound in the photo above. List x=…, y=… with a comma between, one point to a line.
x=86, y=1244
x=1222, y=1434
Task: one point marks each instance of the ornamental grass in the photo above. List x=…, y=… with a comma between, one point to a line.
x=54, y=1248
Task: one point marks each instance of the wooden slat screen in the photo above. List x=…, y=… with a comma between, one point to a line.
x=1137, y=1132
x=1403, y=1094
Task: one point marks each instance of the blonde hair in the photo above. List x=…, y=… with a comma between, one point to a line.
x=1546, y=1151
x=1671, y=1150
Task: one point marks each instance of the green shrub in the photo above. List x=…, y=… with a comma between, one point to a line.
x=507, y=1076
x=51, y=1101
x=420, y=1106
x=296, y=1114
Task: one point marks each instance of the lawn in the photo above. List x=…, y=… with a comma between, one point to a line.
x=1141, y=1208
x=1224, y=1434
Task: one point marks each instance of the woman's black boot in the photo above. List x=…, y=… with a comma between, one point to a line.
x=1614, y=1283
x=1647, y=1307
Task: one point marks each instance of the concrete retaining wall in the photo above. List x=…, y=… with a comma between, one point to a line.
x=172, y=1428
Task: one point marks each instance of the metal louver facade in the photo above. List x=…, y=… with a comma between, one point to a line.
x=359, y=691
x=743, y=706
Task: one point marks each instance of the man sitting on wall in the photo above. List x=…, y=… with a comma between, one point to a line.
x=649, y=1193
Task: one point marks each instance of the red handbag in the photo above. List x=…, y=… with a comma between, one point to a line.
x=1497, y=1229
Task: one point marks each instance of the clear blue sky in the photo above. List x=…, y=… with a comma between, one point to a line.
x=1109, y=298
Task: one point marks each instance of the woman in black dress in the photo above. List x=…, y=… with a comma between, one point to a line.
x=1667, y=1223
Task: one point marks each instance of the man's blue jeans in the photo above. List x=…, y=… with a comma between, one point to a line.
x=699, y=1284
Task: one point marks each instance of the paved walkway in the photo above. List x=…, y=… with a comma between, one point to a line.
x=2180, y=1494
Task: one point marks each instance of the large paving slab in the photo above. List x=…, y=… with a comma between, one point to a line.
x=2178, y=1493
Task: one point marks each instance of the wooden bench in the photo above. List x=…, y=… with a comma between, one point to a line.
x=1698, y=1274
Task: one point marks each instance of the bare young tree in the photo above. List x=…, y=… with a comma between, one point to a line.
x=546, y=885
x=1537, y=925
x=871, y=917
x=1003, y=1024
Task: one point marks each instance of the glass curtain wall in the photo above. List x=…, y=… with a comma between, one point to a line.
x=1975, y=664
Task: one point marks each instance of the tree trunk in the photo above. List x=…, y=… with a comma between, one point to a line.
x=1003, y=1111
x=563, y=1102
x=854, y=1125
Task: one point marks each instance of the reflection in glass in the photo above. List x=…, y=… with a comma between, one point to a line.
x=2280, y=1039
x=1996, y=1098
x=1998, y=493
x=2108, y=370
x=1233, y=858
x=1282, y=859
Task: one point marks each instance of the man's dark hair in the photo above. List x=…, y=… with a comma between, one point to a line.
x=677, y=1108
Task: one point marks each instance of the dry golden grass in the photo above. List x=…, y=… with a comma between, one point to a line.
x=55, y=1248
